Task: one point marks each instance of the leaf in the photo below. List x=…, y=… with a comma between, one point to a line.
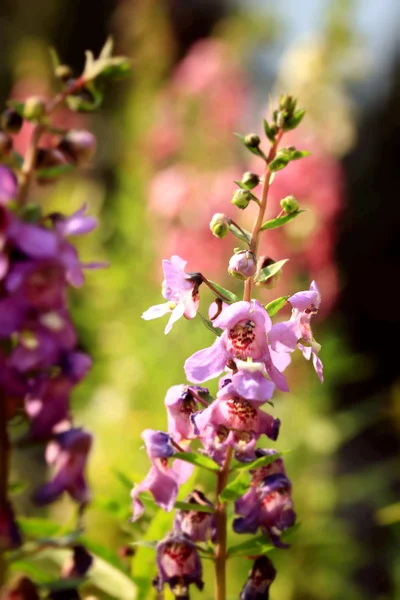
x=269, y=131
x=240, y=184
x=52, y=172
x=86, y=100
x=16, y=488
x=263, y=461
x=145, y=543
x=295, y=120
x=215, y=330
x=193, y=506
x=36, y=527
x=123, y=478
x=285, y=156
x=63, y=584
x=255, y=151
x=236, y=488
x=238, y=233
x=229, y=296
x=276, y=305
x=17, y=106
x=257, y=545
x=55, y=59
x=199, y=460
x=272, y=270
x=279, y=221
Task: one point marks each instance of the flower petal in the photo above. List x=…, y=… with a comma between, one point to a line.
x=207, y=363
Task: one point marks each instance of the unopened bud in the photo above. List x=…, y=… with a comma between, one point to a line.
x=263, y=262
x=64, y=72
x=49, y=157
x=241, y=198
x=289, y=204
x=250, y=180
x=35, y=108
x=5, y=143
x=219, y=225
x=79, y=145
x=11, y=121
x=242, y=265
x=252, y=140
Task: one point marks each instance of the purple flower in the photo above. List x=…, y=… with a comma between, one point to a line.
x=259, y=581
x=8, y=185
x=10, y=535
x=245, y=325
x=181, y=404
x=47, y=406
x=198, y=526
x=271, y=508
x=67, y=454
x=232, y=420
x=181, y=293
x=305, y=304
x=178, y=564
x=76, y=224
x=161, y=481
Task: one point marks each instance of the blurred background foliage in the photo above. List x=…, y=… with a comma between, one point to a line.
x=166, y=162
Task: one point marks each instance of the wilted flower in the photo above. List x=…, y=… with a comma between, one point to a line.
x=259, y=580
x=245, y=325
x=181, y=293
x=178, y=565
x=198, y=526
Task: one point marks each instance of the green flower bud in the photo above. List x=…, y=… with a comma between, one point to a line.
x=11, y=121
x=64, y=72
x=35, y=108
x=289, y=204
x=241, y=198
x=219, y=225
x=250, y=180
x=79, y=145
x=252, y=140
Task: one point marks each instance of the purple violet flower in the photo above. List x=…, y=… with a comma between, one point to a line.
x=8, y=185
x=305, y=304
x=181, y=404
x=198, y=526
x=245, y=325
x=259, y=581
x=178, y=565
x=181, y=293
x=271, y=509
x=161, y=481
x=76, y=224
x=67, y=454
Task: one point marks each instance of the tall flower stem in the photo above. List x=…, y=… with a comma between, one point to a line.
x=255, y=234
x=220, y=522
x=4, y=467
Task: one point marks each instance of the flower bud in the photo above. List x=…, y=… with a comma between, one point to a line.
x=250, y=180
x=5, y=143
x=47, y=158
x=11, y=121
x=64, y=72
x=35, y=108
x=252, y=140
x=241, y=198
x=219, y=225
x=79, y=145
x=242, y=265
x=289, y=204
x=266, y=261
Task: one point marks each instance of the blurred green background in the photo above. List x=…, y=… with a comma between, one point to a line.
x=166, y=161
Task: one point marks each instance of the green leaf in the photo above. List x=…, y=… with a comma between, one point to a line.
x=284, y=156
x=53, y=172
x=236, y=488
x=263, y=461
x=145, y=543
x=199, y=460
x=270, y=132
x=275, y=306
x=240, y=184
x=193, y=506
x=17, y=106
x=229, y=296
x=16, y=488
x=295, y=120
x=105, y=66
x=279, y=221
x=63, y=584
x=258, y=545
x=255, y=151
x=279, y=163
x=36, y=527
x=215, y=330
x=123, y=478
x=245, y=238
x=272, y=270
x=86, y=100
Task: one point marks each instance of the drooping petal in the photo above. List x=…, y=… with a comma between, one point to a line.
x=283, y=337
x=177, y=313
x=207, y=363
x=158, y=444
x=253, y=386
x=156, y=311
x=302, y=300
x=163, y=487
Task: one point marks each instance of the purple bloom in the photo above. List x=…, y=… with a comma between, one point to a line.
x=8, y=185
x=76, y=224
x=181, y=404
x=10, y=535
x=178, y=565
x=259, y=581
x=67, y=454
x=245, y=325
x=305, y=304
x=271, y=508
x=181, y=293
x=161, y=481
x=198, y=526
x=47, y=406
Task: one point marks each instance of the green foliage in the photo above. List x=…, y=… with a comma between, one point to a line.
x=276, y=305
x=279, y=221
x=268, y=272
x=215, y=330
x=229, y=296
x=199, y=460
x=284, y=157
x=236, y=488
x=263, y=461
x=241, y=234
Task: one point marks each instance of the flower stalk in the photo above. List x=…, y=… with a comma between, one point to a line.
x=221, y=531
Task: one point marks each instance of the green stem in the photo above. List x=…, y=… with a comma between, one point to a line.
x=220, y=522
x=255, y=234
